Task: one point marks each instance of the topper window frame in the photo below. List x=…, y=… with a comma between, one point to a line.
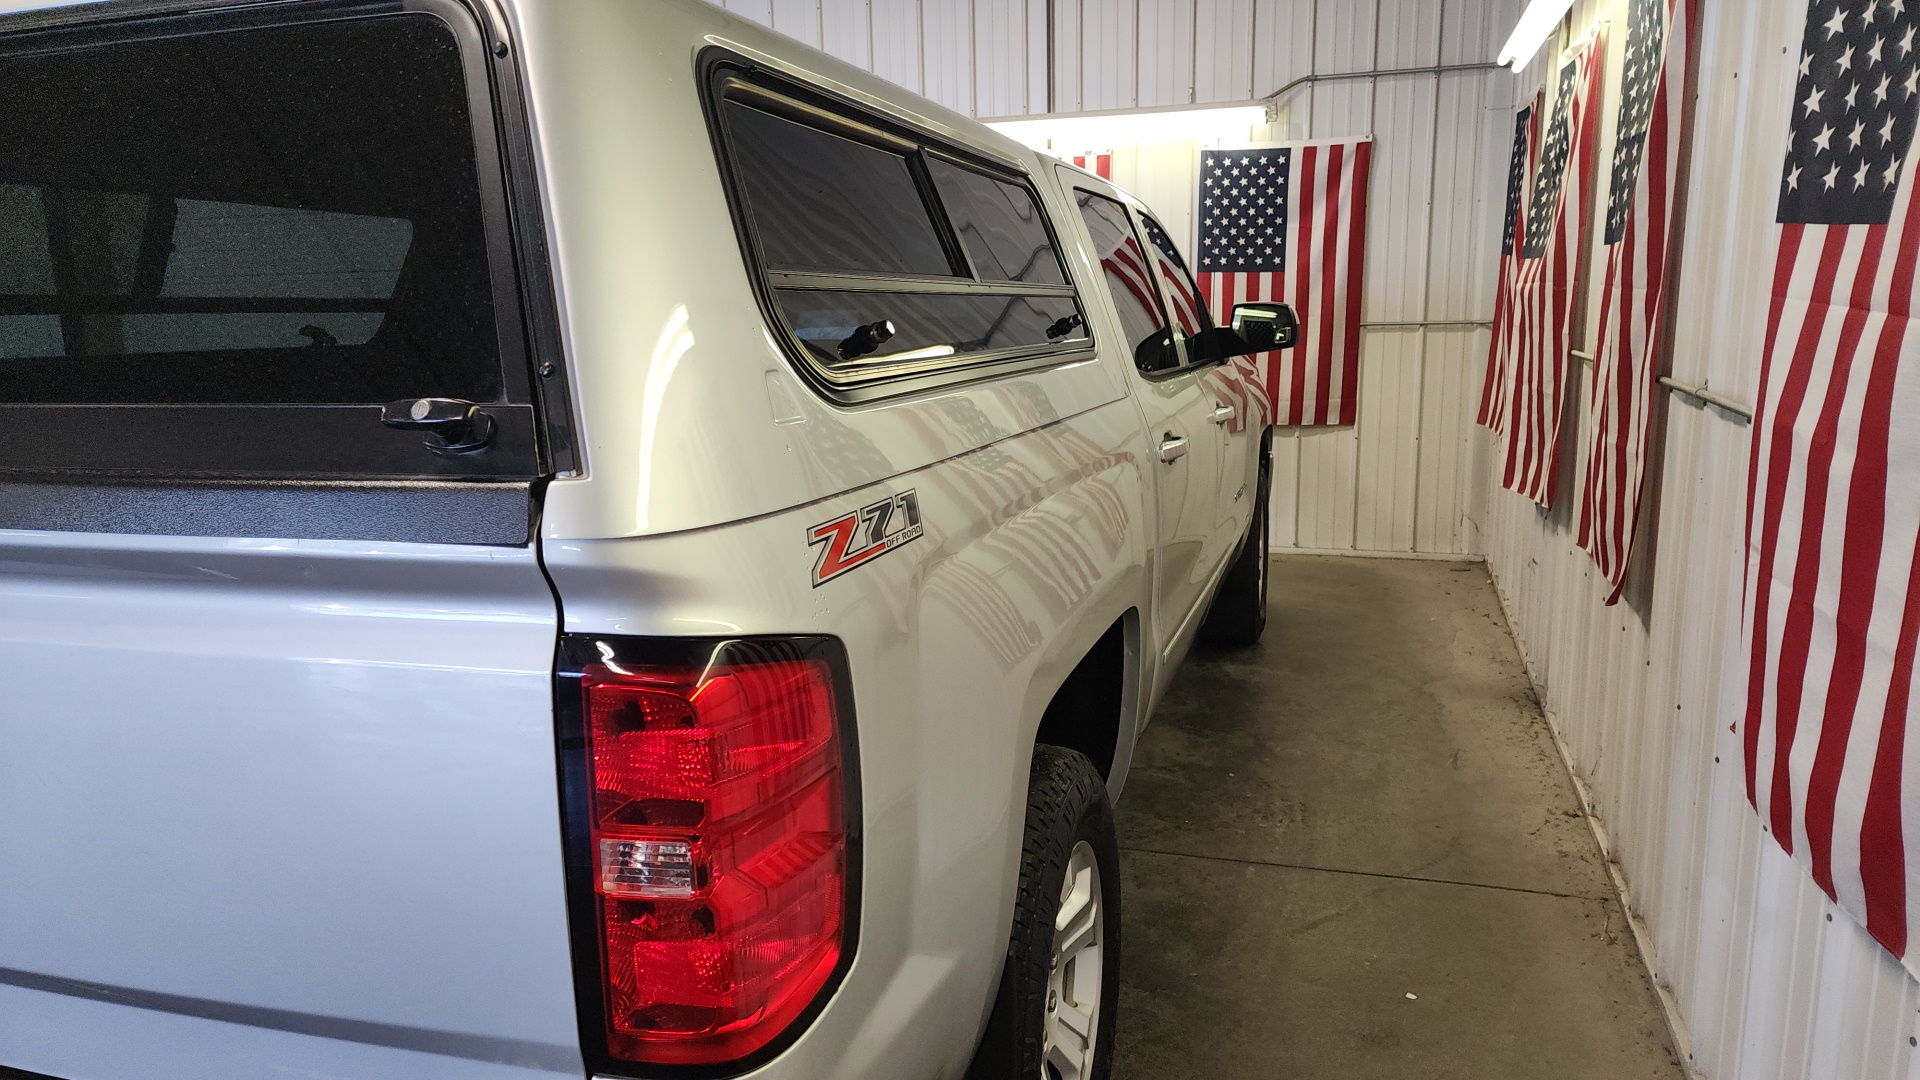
x=296, y=443
x=727, y=77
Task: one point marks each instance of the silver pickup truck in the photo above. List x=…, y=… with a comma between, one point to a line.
x=576, y=538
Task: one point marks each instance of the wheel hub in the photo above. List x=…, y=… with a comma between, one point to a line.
x=1071, y=1025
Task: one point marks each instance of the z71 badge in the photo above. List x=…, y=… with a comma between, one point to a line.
x=864, y=535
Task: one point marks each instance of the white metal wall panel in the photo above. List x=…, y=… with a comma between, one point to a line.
x=946, y=54
x=846, y=31
x=1388, y=439
x=1038, y=42
x=1343, y=36
x=1282, y=41
x=1471, y=33
x=1223, y=51
x=1449, y=394
x=1000, y=58
x=1472, y=138
x=1402, y=125
x=1341, y=108
x=1165, y=56
x=1326, y=487
x=1283, y=522
x=798, y=19
x=760, y=11
x=1068, y=73
x=1409, y=33
x=1109, y=57
x=896, y=41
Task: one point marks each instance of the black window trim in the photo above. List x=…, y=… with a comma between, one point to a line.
x=729, y=76
x=1183, y=361
x=462, y=505
x=1183, y=342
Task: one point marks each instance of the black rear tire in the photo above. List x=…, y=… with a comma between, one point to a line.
x=1066, y=807
x=1238, y=615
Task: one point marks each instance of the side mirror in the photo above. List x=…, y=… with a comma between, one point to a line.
x=1156, y=353
x=1256, y=328
x=1264, y=327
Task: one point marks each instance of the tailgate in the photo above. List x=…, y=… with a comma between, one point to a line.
x=278, y=807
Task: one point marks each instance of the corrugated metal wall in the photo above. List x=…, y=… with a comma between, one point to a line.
x=1770, y=981
x=1765, y=986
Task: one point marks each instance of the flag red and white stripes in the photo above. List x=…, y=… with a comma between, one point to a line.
x=1497, y=392
x=1639, y=236
x=1100, y=165
x=1832, y=597
x=1129, y=265
x=1311, y=197
x=1544, y=285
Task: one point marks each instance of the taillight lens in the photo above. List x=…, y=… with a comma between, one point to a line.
x=717, y=841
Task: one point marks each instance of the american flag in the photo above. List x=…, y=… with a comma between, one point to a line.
x=1289, y=223
x=1497, y=392
x=1543, y=289
x=1832, y=607
x=1640, y=226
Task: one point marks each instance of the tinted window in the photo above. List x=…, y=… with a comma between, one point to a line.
x=823, y=202
x=1188, y=308
x=282, y=215
x=876, y=210
x=999, y=224
x=1128, y=272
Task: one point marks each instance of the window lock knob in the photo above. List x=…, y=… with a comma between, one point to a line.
x=865, y=339
x=452, y=426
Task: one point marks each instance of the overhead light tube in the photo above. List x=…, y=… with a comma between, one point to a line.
x=1531, y=31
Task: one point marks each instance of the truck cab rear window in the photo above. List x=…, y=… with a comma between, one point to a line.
x=999, y=223
x=244, y=218
x=885, y=258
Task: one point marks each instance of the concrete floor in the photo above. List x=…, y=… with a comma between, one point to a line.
x=1352, y=851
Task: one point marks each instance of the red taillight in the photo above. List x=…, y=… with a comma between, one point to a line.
x=718, y=836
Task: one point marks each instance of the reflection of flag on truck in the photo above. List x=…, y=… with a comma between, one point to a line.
x=1288, y=223
x=1188, y=316
x=1832, y=610
x=1496, y=394
x=1128, y=264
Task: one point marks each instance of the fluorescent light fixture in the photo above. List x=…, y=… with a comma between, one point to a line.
x=1531, y=31
x=1073, y=134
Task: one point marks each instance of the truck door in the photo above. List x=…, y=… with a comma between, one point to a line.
x=1225, y=388
x=1185, y=444
x=278, y=790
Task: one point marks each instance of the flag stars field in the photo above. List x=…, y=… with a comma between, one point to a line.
x=1850, y=83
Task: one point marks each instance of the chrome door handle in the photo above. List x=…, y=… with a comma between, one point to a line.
x=1172, y=447
x=1222, y=413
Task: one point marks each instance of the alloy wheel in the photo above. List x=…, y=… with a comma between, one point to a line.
x=1073, y=982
